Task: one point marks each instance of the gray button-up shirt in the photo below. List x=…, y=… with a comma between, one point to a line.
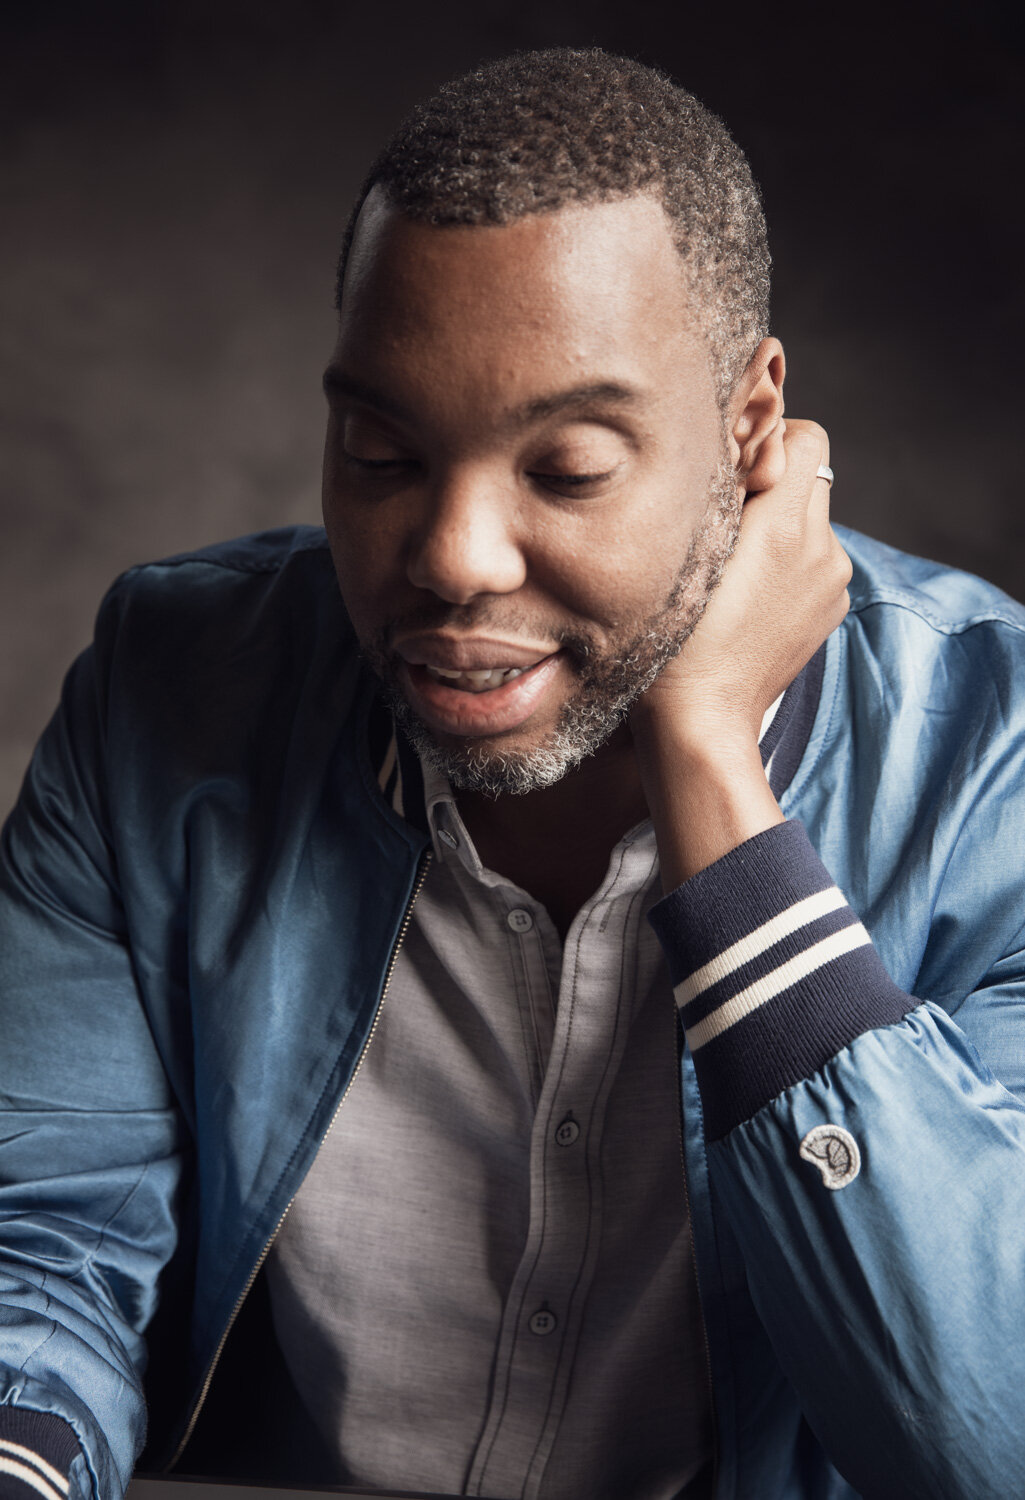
x=486, y=1283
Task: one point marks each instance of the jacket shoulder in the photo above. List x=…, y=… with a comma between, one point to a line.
x=203, y=655
x=273, y=588
x=947, y=599
x=934, y=664
x=258, y=552
x=295, y=555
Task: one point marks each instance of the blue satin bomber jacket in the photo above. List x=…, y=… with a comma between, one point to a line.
x=201, y=892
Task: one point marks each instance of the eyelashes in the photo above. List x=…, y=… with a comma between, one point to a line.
x=376, y=465
x=572, y=479
x=569, y=484
x=575, y=486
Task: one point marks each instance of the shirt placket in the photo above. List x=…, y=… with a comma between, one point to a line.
x=542, y=1315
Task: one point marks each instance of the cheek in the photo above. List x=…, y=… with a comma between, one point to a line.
x=619, y=573
x=366, y=556
x=363, y=561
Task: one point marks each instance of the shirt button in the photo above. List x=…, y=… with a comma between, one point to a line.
x=567, y=1131
x=448, y=838
x=543, y=1321
x=520, y=920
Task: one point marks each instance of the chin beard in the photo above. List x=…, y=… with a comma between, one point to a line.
x=609, y=685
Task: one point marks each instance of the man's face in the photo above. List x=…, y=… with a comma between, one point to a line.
x=525, y=485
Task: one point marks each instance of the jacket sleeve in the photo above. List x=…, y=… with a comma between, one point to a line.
x=872, y=1169
x=90, y=1141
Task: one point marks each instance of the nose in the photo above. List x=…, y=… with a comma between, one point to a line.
x=466, y=542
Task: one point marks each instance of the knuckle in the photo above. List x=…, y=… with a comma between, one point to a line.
x=810, y=439
x=841, y=560
x=804, y=441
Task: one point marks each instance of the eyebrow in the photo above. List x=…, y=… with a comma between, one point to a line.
x=597, y=393
x=337, y=382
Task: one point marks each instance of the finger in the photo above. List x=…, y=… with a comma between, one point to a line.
x=803, y=429
x=807, y=449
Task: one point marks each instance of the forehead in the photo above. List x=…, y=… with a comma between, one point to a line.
x=592, y=289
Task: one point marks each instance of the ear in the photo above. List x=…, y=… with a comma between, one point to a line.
x=756, y=419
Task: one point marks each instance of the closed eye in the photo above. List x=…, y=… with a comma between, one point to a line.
x=574, y=483
x=376, y=465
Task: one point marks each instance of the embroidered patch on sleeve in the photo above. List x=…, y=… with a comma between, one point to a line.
x=835, y=1152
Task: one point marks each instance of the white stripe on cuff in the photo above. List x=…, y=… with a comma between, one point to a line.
x=775, y=982
x=755, y=944
x=389, y=763
x=30, y=1477
x=20, y=1451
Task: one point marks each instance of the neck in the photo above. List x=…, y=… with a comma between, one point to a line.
x=555, y=843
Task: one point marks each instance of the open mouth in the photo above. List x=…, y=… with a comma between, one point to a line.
x=483, y=680
x=479, y=700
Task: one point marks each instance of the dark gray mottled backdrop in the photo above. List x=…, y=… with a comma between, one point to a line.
x=176, y=177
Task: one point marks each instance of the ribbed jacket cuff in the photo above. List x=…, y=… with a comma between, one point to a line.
x=36, y=1453
x=772, y=971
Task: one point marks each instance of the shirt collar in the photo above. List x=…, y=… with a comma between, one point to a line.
x=784, y=733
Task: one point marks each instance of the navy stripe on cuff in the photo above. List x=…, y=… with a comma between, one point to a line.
x=783, y=750
x=773, y=972
x=36, y=1452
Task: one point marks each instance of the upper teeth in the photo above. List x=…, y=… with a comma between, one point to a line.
x=479, y=681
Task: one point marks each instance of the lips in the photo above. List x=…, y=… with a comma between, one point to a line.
x=479, y=701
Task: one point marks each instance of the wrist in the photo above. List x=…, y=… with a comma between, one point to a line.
x=697, y=760
x=689, y=722
x=705, y=798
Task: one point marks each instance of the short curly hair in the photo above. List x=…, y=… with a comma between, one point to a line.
x=534, y=131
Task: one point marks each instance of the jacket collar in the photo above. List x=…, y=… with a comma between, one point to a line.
x=400, y=777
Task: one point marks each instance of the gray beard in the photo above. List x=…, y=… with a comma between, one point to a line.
x=609, y=685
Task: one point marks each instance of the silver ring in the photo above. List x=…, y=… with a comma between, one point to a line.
x=824, y=472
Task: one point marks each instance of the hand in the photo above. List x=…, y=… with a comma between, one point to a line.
x=783, y=591
x=695, y=731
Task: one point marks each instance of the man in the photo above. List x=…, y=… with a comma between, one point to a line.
x=326, y=947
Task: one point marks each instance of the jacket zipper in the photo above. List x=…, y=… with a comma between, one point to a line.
x=212, y=1367
x=694, y=1265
